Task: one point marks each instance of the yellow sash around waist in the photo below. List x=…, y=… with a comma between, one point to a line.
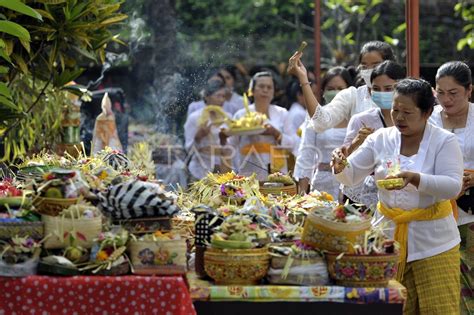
x=277, y=156
x=402, y=217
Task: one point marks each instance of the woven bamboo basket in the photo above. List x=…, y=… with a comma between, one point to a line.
x=34, y=230
x=53, y=206
x=290, y=190
x=55, y=227
x=362, y=270
x=236, y=266
x=333, y=236
x=158, y=257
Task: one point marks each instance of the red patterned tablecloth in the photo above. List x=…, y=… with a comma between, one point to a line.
x=95, y=295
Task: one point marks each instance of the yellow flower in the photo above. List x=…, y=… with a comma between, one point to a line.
x=103, y=175
x=102, y=255
x=327, y=196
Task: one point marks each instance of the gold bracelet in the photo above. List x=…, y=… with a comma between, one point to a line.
x=306, y=83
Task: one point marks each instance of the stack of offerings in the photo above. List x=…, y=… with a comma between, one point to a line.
x=145, y=209
x=357, y=254
x=139, y=205
x=238, y=253
x=336, y=229
x=59, y=189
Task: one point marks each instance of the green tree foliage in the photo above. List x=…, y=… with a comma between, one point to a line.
x=42, y=50
x=269, y=30
x=465, y=10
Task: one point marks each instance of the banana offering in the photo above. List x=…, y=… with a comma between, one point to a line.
x=237, y=232
x=249, y=121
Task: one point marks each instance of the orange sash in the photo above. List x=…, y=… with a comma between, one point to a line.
x=277, y=156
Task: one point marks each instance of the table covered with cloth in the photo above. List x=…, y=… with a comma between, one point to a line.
x=95, y=295
x=202, y=290
x=282, y=299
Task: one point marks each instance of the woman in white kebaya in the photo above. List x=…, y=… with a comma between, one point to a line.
x=431, y=169
x=204, y=139
x=349, y=101
x=383, y=80
x=456, y=114
x=266, y=152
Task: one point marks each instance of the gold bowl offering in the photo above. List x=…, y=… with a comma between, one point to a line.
x=236, y=266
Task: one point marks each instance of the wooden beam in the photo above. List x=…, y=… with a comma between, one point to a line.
x=317, y=43
x=412, y=15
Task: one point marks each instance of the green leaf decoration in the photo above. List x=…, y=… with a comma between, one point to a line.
x=7, y=102
x=4, y=90
x=20, y=7
x=14, y=29
x=4, y=55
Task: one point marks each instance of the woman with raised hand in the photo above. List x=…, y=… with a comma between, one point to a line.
x=349, y=101
x=314, y=152
x=456, y=114
x=431, y=172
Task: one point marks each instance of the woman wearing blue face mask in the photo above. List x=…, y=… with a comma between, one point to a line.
x=349, y=101
x=383, y=80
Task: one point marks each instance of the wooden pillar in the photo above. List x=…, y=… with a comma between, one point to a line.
x=317, y=43
x=412, y=14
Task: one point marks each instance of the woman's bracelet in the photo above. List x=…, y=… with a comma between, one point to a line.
x=306, y=83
